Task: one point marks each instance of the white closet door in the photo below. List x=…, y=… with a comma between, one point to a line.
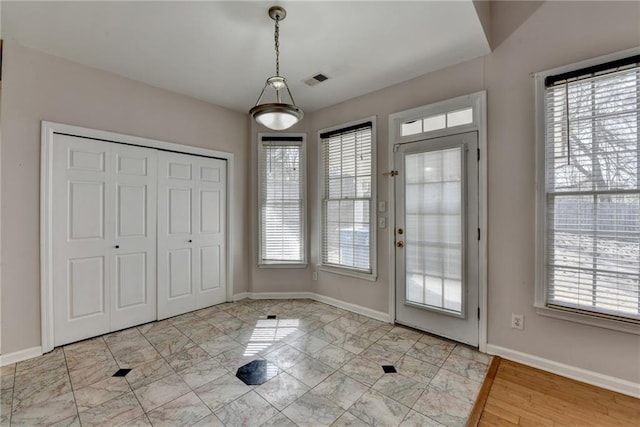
x=176, y=186
x=191, y=233
x=82, y=238
x=104, y=237
x=210, y=239
x=133, y=265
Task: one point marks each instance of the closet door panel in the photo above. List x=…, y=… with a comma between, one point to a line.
x=131, y=280
x=210, y=214
x=176, y=218
x=131, y=210
x=180, y=281
x=211, y=237
x=191, y=233
x=86, y=287
x=133, y=264
x=81, y=243
x=180, y=202
x=86, y=210
x=210, y=268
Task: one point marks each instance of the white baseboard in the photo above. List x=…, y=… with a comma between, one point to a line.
x=241, y=295
x=375, y=314
x=355, y=308
x=19, y=356
x=281, y=295
x=594, y=378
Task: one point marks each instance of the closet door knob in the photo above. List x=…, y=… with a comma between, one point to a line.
x=117, y=246
x=190, y=240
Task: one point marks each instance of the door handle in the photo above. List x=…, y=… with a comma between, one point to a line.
x=117, y=246
x=190, y=240
x=400, y=244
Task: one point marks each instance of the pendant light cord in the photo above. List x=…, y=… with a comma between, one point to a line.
x=277, y=43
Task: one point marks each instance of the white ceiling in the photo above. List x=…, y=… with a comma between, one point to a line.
x=222, y=52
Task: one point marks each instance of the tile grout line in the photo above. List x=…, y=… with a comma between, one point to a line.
x=192, y=390
x=73, y=392
x=125, y=377
x=172, y=370
x=13, y=388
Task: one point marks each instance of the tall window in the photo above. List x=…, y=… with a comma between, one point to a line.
x=348, y=191
x=592, y=189
x=281, y=164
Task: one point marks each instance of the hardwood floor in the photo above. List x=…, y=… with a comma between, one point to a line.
x=519, y=395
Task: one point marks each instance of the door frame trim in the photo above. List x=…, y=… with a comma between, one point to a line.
x=48, y=129
x=478, y=101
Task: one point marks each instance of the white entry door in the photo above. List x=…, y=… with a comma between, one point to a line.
x=191, y=233
x=104, y=239
x=436, y=236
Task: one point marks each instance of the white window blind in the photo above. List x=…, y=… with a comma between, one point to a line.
x=347, y=198
x=282, y=200
x=593, y=190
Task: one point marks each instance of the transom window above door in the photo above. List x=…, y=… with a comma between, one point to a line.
x=457, y=115
x=437, y=122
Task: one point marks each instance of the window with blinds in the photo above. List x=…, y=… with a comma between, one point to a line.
x=592, y=168
x=281, y=189
x=348, y=186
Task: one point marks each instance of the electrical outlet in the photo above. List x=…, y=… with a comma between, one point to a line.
x=517, y=321
x=314, y=275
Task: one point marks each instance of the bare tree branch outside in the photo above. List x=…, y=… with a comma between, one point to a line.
x=593, y=193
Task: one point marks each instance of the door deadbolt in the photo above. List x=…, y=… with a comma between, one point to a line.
x=400, y=230
x=400, y=244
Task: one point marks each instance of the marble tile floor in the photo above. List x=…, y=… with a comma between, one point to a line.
x=182, y=373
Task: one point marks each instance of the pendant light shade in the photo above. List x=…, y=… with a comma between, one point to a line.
x=277, y=115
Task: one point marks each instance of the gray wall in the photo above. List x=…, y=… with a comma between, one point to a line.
x=39, y=87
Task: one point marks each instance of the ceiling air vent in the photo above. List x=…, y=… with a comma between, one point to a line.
x=318, y=78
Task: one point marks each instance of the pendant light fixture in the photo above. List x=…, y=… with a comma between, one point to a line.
x=277, y=115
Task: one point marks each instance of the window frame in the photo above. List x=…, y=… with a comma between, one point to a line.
x=373, y=220
x=541, y=256
x=303, y=187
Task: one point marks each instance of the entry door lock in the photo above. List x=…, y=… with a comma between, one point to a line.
x=400, y=244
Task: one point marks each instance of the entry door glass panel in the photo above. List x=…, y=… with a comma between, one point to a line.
x=436, y=236
x=434, y=218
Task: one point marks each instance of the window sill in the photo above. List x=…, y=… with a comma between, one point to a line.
x=371, y=277
x=601, y=322
x=282, y=265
